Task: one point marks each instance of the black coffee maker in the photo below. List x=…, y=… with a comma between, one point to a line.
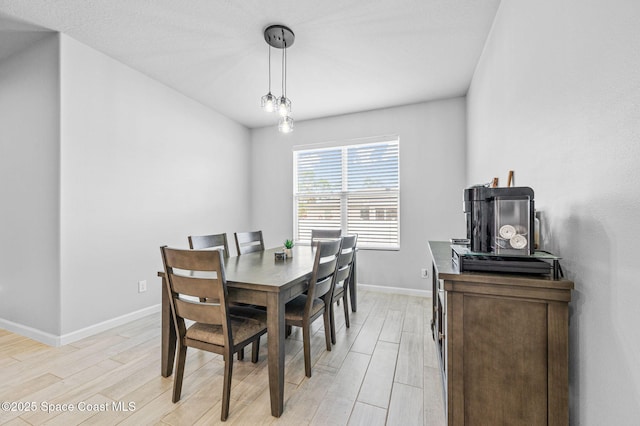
x=500, y=220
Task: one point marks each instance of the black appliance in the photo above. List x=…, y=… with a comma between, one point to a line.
x=500, y=220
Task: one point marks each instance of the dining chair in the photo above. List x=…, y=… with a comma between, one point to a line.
x=213, y=241
x=192, y=275
x=344, y=269
x=324, y=234
x=248, y=242
x=306, y=308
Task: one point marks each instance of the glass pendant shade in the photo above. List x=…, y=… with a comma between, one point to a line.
x=284, y=106
x=285, y=124
x=269, y=102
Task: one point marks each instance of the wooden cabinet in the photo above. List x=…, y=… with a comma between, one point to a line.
x=503, y=345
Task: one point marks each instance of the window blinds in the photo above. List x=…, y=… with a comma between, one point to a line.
x=355, y=187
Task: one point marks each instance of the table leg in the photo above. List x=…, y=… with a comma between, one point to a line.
x=353, y=280
x=275, y=339
x=168, y=334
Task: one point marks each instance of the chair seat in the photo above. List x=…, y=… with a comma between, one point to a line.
x=294, y=310
x=242, y=328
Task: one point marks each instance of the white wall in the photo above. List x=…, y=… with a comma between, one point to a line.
x=142, y=166
x=556, y=97
x=432, y=177
x=30, y=189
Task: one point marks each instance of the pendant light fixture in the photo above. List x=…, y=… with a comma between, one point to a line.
x=268, y=101
x=280, y=37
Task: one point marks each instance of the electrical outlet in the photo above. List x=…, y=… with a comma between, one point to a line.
x=142, y=286
x=424, y=273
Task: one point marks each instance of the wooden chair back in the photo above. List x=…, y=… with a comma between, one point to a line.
x=345, y=259
x=324, y=234
x=344, y=269
x=249, y=242
x=213, y=241
x=322, y=276
x=198, y=275
x=196, y=282
x=305, y=309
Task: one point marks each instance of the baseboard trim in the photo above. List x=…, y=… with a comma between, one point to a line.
x=30, y=332
x=74, y=336
x=395, y=290
x=65, y=339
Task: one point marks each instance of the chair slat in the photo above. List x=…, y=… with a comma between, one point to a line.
x=193, y=260
x=345, y=258
x=323, y=286
x=249, y=242
x=326, y=269
x=198, y=287
x=343, y=273
x=324, y=234
x=208, y=313
x=212, y=241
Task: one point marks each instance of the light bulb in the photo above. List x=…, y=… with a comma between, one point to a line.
x=284, y=106
x=285, y=124
x=268, y=102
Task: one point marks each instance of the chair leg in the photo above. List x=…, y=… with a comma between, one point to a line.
x=306, y=340
x=226, y=387
x=179, y=373
x=241, y=354
x=346, y=309
x=327, y=326
x=332, y=318
x=287, y=332
x=255, y=350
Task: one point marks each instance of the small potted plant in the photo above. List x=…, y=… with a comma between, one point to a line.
x=288, y=245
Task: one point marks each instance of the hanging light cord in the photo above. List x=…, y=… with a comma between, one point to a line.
x=284, y=67
x=269, y=68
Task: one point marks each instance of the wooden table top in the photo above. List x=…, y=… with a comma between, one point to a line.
x=261, y=269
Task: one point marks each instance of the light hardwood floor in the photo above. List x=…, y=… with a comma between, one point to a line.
x=382, y=370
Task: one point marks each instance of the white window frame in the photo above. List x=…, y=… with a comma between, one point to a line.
x=344, y=193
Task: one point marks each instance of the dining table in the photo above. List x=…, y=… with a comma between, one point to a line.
x=260, y=279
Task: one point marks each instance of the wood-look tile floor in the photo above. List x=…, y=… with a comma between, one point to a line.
x=382, y=370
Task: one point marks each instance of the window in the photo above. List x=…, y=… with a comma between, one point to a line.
x=355, y=187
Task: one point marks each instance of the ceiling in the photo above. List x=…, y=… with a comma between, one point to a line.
x=348, y=55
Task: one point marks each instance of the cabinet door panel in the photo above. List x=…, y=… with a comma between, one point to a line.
x=504, y=361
